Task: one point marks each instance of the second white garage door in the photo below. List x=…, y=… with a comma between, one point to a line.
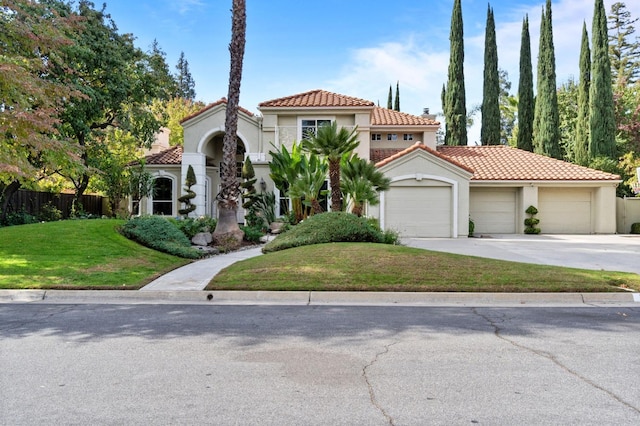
x=416, y=211
x=564, y=210
x=493, y=210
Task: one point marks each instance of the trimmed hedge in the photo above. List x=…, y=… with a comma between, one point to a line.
x=332, y=227
x=159, y=234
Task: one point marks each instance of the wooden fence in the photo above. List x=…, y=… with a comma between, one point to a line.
x=31, y=202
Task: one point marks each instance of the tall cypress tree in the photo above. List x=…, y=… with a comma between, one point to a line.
x=602, y=123
x=396, y=106
x=581, y=144
x=390, y=98
x=546, y=123
x=525, y=91
x=455, y=103
x=186, y=85
x=490, y=110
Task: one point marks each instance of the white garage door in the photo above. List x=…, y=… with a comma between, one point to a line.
x=564, y=210
x=493, y=210
x=419, y=211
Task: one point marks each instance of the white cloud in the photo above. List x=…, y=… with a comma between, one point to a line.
x=185, y=6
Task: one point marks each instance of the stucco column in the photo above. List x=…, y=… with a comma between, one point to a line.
x=198, y=162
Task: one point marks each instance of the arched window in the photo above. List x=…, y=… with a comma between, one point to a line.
x=163, y=196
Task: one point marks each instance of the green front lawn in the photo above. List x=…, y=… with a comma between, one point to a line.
x=380, y=267
x=77, y=254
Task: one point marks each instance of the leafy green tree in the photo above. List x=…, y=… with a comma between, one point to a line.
x=546, y=134
x=171, y=113
x=190, y=194
x=455, y=109
x=118, y=82
x=186, y=84
x=31, y=147
x=601, y=109
x=624, y=53
x=490, y=110
x=581, y=144
x=627, y=102
x=390, y=98
x=525, y=92
x=227, y=224
x=333, y=143
x=396, y=105
x=508, y=109
x=568, y=114
x=159, y=70
x=360, y=182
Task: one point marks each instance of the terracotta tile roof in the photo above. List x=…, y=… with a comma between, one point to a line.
x=213, y=105
x=172, y=155
x=507, y=163
x=388, y=117
x=414, y=147
x=500, y=163
x=316, y=98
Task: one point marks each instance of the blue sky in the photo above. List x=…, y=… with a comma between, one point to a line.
x=353, y=47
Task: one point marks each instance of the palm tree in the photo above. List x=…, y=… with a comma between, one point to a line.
x=361, y=182
x=333, y=144
x=230, y=188
x=285, y=167
x=308, y=185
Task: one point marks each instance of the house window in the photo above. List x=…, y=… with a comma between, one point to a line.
x=408, y=136
x=310, y=127
x=163, y=196
x=376, y=137
x=392, y=137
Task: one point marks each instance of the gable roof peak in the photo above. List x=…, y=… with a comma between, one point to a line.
x=316, y=98
x=221, y=101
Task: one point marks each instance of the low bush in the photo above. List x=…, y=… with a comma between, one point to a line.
x=252, y=233
x=190, y=226
x=49, y=213
x=20, y=218
x=159, y=234
x=327, y=228
x=635, y=228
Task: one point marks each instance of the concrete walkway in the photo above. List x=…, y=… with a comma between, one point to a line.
x=196, y=275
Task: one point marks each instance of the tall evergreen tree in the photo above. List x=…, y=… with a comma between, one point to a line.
x=390, y=98
x=624, y=54
x=490, y=110
x=581, y=143
x=186, y=85
x=525, y=92
x=455, y=109
x=601, y=111
x=546, y=123
x=396, y=105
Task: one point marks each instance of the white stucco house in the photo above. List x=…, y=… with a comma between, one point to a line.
x=435, y=190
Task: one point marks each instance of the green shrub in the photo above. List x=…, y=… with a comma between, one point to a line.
x=191, y=226
x=635, y=228
x=252, y=233
x=472, y=227
x=159, y=234
x=531, y=222
x=327, y=228
x=49, y=213
x=20, y=218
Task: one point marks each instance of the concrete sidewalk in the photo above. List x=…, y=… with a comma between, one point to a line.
x=196, y=275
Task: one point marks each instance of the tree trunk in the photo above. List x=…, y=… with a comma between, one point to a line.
x=357, y=209
x=315, y=205
x=5, y=197
x=230, y=191
x=334, y=181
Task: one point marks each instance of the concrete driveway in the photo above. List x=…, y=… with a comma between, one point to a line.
x=600, y=252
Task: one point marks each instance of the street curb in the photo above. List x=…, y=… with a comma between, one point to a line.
x=313, y=298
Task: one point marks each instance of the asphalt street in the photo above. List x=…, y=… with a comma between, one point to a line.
x=311, y=365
